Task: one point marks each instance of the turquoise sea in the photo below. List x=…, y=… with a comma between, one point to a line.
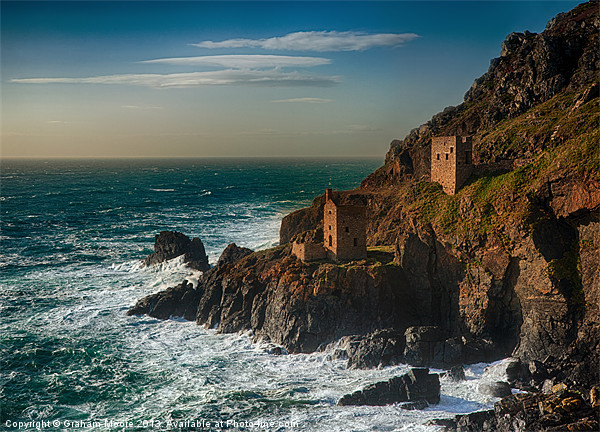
x=73, y=234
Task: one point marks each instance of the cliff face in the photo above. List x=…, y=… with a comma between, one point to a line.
x=510, y=258
x=513, y=255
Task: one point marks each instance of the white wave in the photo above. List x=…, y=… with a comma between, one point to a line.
x=162, y=190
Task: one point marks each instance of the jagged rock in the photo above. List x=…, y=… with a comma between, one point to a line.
x=171, y=244
x=428, y=346
x=423, y=344
x=380, y=348
x=179, y=301
x=447, y=424
x=456, y=373
x=595, y=397
x=418, y=385
x=562, y=410
x=498, y=389
x=478, y=421
x=233, y=253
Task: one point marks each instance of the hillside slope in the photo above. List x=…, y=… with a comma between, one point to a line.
x=520, y=241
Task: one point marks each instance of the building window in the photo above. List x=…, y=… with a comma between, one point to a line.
x=347, y=229
x=468, y=157
x=438, y=156
x=329, y=227
x=451, y=149
x=355, y=241
x=329, y=211
x=446, y=156
x=330, y=241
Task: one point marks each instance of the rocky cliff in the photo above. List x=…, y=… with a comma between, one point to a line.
x=511, y=258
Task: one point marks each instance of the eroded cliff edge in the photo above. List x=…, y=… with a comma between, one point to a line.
x=512, y=258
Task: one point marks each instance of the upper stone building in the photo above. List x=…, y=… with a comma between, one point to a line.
x=451, y=161
x=344, y=230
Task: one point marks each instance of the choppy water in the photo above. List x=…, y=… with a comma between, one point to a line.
x=73, y=234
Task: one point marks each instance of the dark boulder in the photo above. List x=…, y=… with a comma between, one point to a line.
x=178, y=301
x=423, y=343
x=456, y=374
x=498, y=389
x=561, y=410
x=171, y=244
x=429, y=346
x=380, y=348
x=418, y=385
x=478, y=421
x=233, y=253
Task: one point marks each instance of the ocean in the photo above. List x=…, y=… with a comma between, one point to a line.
x=73, y=234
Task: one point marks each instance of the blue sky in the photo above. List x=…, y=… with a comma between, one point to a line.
x=198, y=79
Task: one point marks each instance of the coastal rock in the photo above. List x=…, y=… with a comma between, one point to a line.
x=561, y=410
x=233, y=253
x=478, y=421
x=498, y=389
x=171, y=244
x=178, y=301
x=417, y=385
x=456, y=374
x=380, y=348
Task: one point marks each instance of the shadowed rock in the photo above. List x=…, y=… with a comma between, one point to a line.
x=171, y=244
x=178, y=301
x=416, y=386
x=233, y=253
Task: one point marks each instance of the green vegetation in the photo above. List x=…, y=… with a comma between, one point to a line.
x=554, y=140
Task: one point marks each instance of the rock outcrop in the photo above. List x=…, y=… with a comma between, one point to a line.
x=178, y=301
x=232, y=254
x=418, y=385
x=380, y=348
x=171, y=244
x=304, y=305
x=558, y=411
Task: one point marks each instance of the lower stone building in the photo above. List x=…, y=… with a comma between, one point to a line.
x=344, y=235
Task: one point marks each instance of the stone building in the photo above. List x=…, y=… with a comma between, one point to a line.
x=451, y=161
x=343, y=238
x=344, y=230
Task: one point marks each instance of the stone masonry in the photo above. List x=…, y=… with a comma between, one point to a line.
x=451, y=161
x=344, y=230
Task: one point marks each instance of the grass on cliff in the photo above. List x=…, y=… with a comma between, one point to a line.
x=568, y=141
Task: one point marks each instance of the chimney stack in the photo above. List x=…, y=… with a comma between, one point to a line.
x=328, y=195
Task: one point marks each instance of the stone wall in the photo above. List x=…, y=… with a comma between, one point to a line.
x=308, y=251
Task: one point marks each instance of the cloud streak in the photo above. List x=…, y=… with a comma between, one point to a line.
x=244, y=61
x=141, y=107
x=304, y=99
x=320, y=41
x=272, y=78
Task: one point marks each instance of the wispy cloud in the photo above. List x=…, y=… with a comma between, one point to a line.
x=272, y=78
x=141, y=107
x=319, y=41
x=57, y=122
x=304, y=99
x=245, y=61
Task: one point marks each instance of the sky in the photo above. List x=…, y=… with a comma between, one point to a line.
x=245, y=79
